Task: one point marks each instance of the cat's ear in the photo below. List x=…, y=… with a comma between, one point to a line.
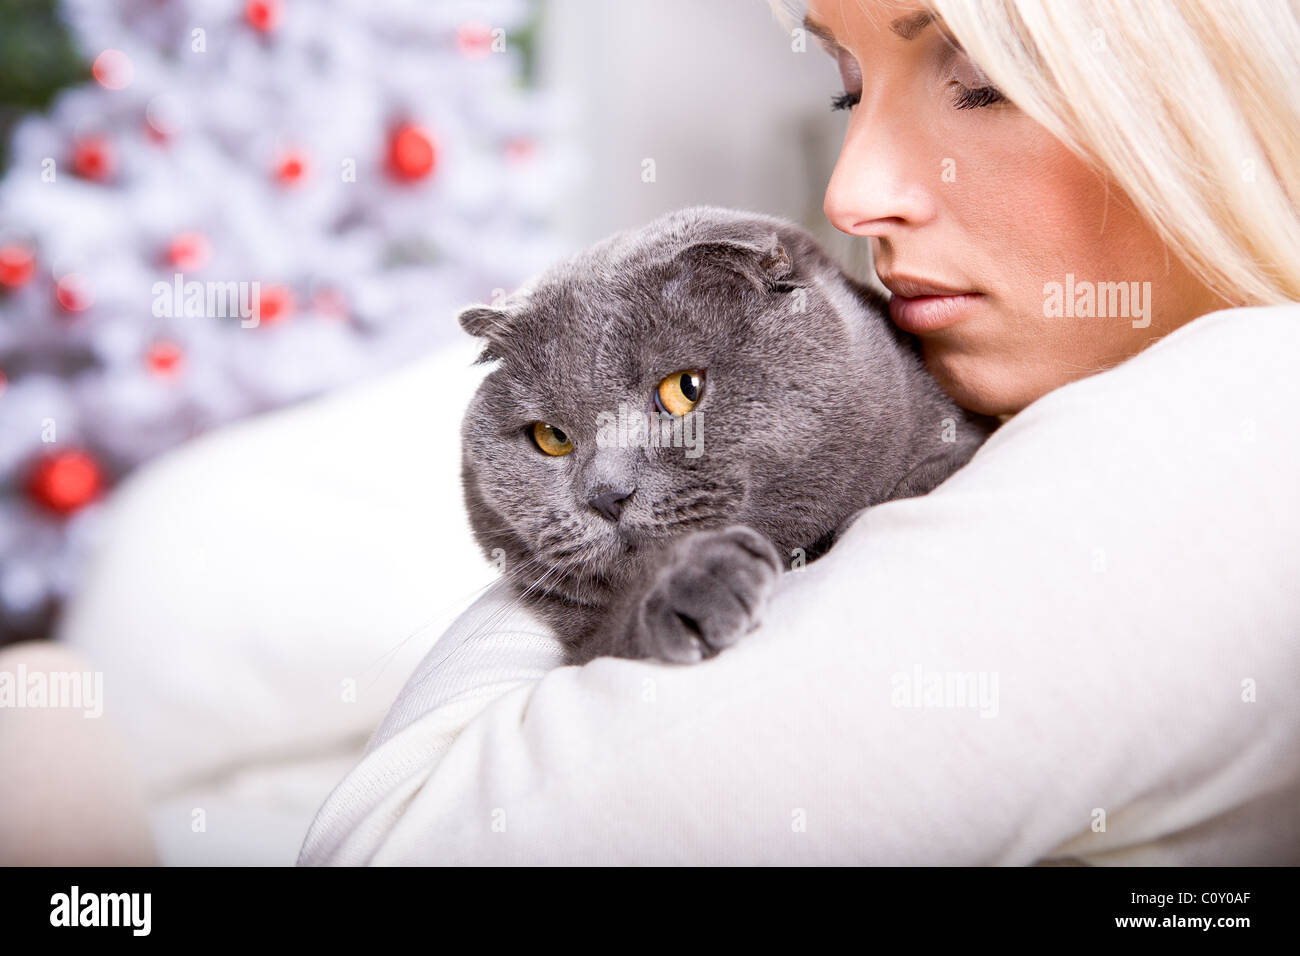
x=765, y=263
x=774, y=262
x=485, y=322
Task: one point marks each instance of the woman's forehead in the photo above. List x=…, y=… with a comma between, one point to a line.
x=836, y=22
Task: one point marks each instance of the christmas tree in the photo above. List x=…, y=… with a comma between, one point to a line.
x=246, y=203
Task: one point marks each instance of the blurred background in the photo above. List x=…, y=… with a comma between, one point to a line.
x=359, y=170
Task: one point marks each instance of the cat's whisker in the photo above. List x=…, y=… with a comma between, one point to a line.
x=383, y=659
x=493, y=619
x=506, y=529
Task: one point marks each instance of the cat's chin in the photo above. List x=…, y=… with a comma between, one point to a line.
x=622, y=545
x=632, y=541
x=627, y=545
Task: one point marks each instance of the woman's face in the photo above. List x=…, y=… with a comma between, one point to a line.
x=1004, y=251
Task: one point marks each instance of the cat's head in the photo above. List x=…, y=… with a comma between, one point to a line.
x=782, y=396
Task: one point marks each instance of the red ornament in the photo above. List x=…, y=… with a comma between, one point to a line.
x=93, y=158
x=16, y=265
x=73, y=294
x=330, y=304
x=275, y=303
x=474, y=40
x=292, y=167
x=162, y=119
x=164, y=359
x=65, y=481
x=189, y=251
x=113, y=70
x=520, y=150
x=263, y=15
x=411, y=153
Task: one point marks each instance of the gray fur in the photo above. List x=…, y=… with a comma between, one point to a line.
x=809, y=417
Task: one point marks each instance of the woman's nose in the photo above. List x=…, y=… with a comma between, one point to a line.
x=878, y=187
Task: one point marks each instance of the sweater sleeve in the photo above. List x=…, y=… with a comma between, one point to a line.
x=1083, y=645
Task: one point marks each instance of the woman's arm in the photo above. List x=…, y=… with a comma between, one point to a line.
x=1093, y=624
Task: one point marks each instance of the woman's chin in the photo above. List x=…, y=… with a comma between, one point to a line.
x=984, y=384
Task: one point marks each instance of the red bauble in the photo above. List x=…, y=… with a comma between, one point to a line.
x=162, y=119
x=65, y=481
x=291, y=168
x=189, y=251
x=73, y=293
x=113, y=70
x=156, y=134
x=474, y=40
x=275, y=304
x=164, y=359
x=330, y=304
x=520, y=150
x=16, y=265
x=412, y=154
x=263, y=15
x=93, y=158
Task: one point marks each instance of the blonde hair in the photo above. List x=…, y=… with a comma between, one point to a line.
x=1191, y=106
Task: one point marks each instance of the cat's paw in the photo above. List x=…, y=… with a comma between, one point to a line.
x=708, y=593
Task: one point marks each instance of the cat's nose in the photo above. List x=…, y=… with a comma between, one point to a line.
x=610, y=503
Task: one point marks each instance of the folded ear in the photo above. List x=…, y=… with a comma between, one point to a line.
x=485, y=322
x=765, y=263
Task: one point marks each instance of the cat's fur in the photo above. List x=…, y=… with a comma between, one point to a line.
x=814, y=406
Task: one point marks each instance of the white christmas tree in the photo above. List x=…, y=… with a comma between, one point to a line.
x=252, y=201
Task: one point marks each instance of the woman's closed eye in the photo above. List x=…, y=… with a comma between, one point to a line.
x=975, y=97
x=845, y=100
x=966, y=97
x=969, y=86
x=972, y=86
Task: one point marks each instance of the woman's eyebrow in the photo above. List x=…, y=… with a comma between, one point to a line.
x=822, y=33
x=909, y=26
x=906, y=27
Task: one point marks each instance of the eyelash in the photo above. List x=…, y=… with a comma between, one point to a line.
x=967, y=99
x=844, y=101
x=973, y=99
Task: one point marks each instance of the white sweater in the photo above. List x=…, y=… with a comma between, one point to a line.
x=1084, y=645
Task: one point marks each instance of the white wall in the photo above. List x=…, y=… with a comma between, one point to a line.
x=712, y=92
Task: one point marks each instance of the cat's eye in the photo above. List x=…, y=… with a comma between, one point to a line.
x=680, y=392
x=551, y=440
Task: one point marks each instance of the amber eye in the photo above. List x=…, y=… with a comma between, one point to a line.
x=551, y=440
x=681, y=391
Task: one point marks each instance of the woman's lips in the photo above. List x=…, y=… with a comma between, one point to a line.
x=928, y=313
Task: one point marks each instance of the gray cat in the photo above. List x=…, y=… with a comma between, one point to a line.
x=680, y=413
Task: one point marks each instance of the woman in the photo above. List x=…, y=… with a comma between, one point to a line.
x=1079, y=648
